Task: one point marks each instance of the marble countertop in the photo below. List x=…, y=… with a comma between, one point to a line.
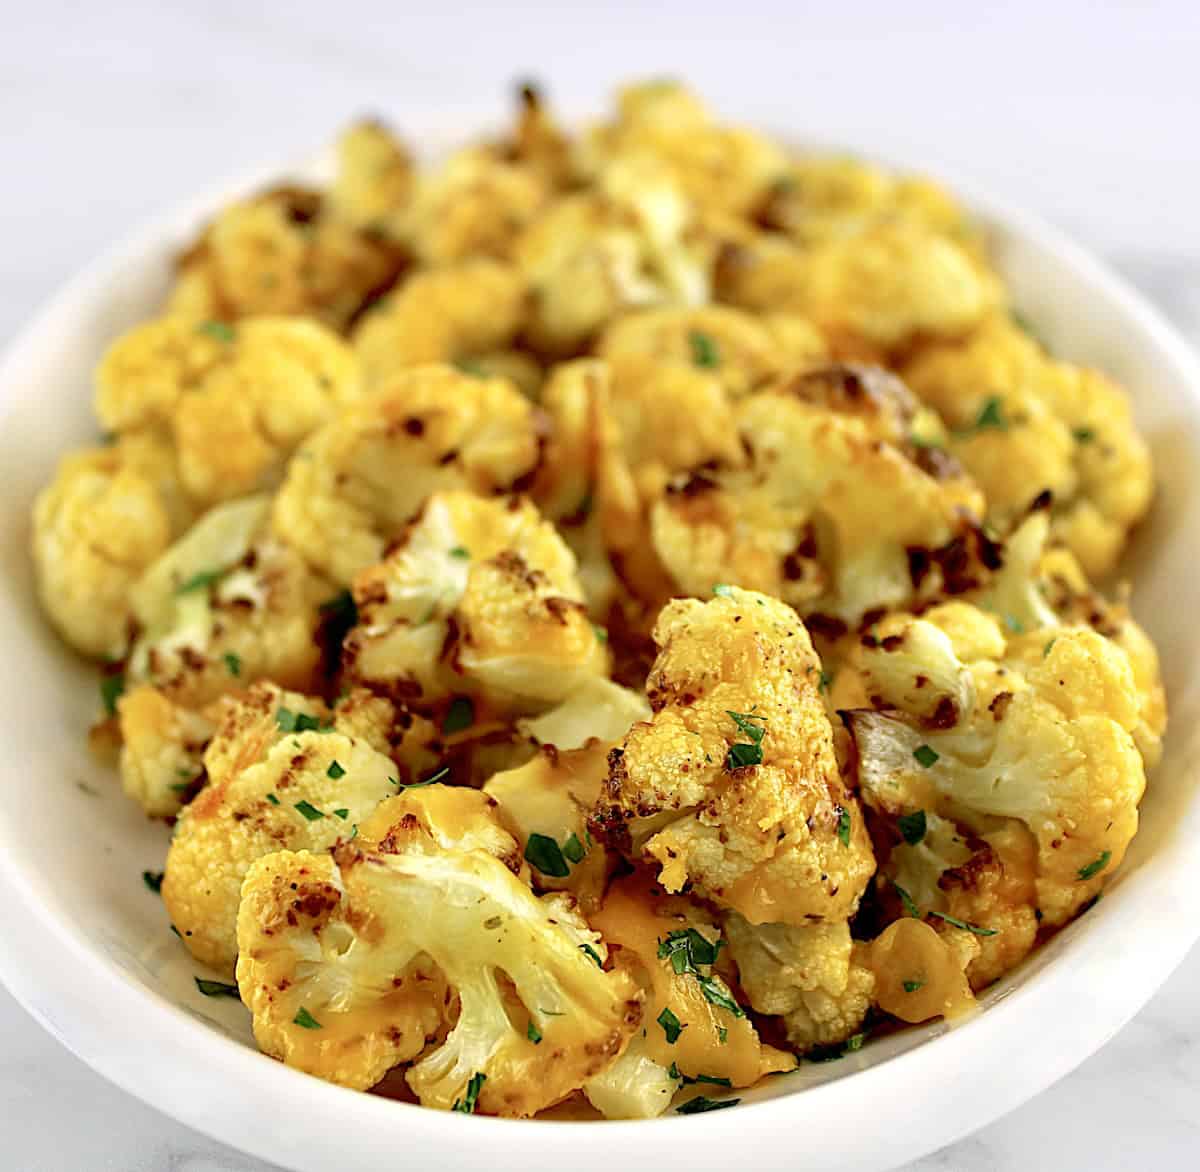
x=1087, y=114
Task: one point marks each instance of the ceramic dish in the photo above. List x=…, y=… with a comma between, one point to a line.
x=86, y=948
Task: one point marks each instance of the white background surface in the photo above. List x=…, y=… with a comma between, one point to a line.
x=1085, y=112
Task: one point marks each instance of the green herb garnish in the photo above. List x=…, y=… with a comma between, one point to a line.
x=467, y=1103
x=703, y=1103
x=912, y=826
x=748, y=752
x=1095, y=866
x=112, y=688
x=533, y=1033
x=1046, y=649
x=926, y=756
x=222, y=331
x=460, y=551
x=573, y=849
x=460, y=715
x=432, y=779
x=216, y=988
x=297, y=722
x=990, y=416
x=273, y=799
x=705, y=351
x=343, y=813
x=671, y=1025
x=686, y=948
x=335, y=770
x=593, y=954
x=306, y=1021
x=199, y=581
x=310, y=812
x=542, y=852
x=973, y=928
x=912, y=986
x=843, y=826
x=722, y=590
x=233, y=663
x=1083, y=435
x=910, y=904
x=153, y=880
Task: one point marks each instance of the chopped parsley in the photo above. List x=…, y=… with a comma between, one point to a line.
x=991, y=415
x=910, y=904
x=273, y=799
x=460, y=551
x=686, y=948
x=671, y=1025
x=601, y=633
x=705, y=351
x=233, y=663
x=1046, y=649
x=711, y=1079
x=912, y=986
x=310, y=812
x=343, y=813
x=573, y=849
x=823, y=682
x=198, y=581
x=1083, y=435
x=926, y=756
x=912, y=827
x=843, y=826
x=216, y=988
x=722, y=1035
x=703, y=1103
x=306, y=1021
x=715, y=993
x=972, y=928
x=593, y=954
x=432, y=779
x=835, y=1050
x=153, y=880
x=460, y=715
x=112, y=688
x=1014, y=624
x=296, y=722
x=533, y=1033
x=467, y=366
x=722, y=590
x=221, y=331
x=1095, y=866
x=467, y=1103
x=748, y=752
x=335, y=770
x=542, y=852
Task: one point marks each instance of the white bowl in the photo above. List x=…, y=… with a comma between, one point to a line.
x=86, y=947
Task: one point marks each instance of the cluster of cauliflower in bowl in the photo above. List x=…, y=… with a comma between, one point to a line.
x=609, y=618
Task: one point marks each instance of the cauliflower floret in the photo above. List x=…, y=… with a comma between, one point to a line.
x=830, y=508
x=598, y=709
x=546, y=803
x=1048, y=742
x=805, y=973
x=526, y=971
x=473, y=205
x=633, y=1087
x=272, y=785
x=342, y=501
x=693, y=1023
x=592, y=255
x=374, y=178
x=480, y=598
x=96, y=527
x=733, y=787
x=237, y=399
x=1024, y=425
x=441, y=315
x=162, y=750
x=282, y=252
x=721, y=168
x=224, y=606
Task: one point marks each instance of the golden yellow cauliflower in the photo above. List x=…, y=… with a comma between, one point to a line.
x=236, y=398
x=358, y=481
x=108, y=513
x=282, y=253
x=162, y=749
x=829, y=506
x=283, y=774
x=361, y=943
x=374, y=178
x=1025, y=424
x=1041, y=733
x=225, y=605
x=449, y=314
x=479, y=598
x=732, y=787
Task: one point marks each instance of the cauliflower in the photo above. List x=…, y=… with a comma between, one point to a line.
x=597, y=710
x=732, y=787
x=805, y=973
x=595, y=254
x=720, y=168
x=162, y=750
x=282, y=775
x=374, y=178
x=537, y=1014
x=282, y=253
x=479, y=598
x=694, y=1027
x=226, y=605
x=737, y=349
x=441, y=315
x=96, y=527
x=236, y=399
x=473, y=205
x=830, y=508
x=1024, y=424
x=342, y=501
x=1046, y=740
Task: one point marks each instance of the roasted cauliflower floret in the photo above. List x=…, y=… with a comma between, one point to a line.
x=805, y=973
x=1024, y=424
x=281, y=776
x=526, y=971
x=830, y=506
x=374, y=178
x=693, y=1023
x=282, y=252
x=237, y=399
x=96, y=527
x=343, y=500
x=162, y=750
x=732, y=787
x=479, y=598
x=449, y=314
x=1048, y=741
x=224, y=606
